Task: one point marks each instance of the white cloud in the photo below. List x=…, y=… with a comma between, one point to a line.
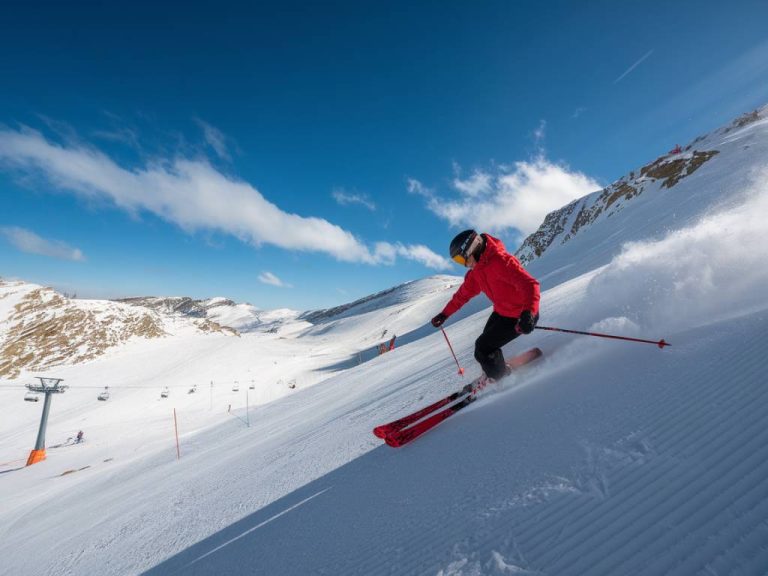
x=193, y=195
x=272, y=280
x=477, y=184
x=345, y=198
x=423, y=255
x=216, y=139
x=517, y=197
x=388, y=253
x=121, y=135
x=189, y=193
x=29, y=242
x=416, y=187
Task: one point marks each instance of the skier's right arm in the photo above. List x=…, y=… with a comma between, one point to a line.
x=468, y=290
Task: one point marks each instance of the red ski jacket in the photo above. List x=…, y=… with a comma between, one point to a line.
x=502, y=278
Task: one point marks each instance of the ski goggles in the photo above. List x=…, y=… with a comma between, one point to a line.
x=460, y=259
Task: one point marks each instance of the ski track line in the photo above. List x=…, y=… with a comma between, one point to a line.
x=746, y=513
x=717, y=450
x=625, y=515
x=742, y=562
x=688, y=521
x=707, y=507
x=648, y=491
x=574, y=507
x=658, y=448
x=254, y=528
x=406, y=555
x=631, y=467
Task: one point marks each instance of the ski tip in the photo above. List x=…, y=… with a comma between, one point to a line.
x=662, y=343
x=380, y=432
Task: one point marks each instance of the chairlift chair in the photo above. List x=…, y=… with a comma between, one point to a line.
x=104, y=396
x=32, y=397
x=164, y=393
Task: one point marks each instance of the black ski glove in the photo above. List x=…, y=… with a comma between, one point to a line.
x=438, y=320
x=527, y=322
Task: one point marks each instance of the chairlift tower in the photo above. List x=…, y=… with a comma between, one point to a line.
x=47, y=386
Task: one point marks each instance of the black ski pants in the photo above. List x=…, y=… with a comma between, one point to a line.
x=499, y=331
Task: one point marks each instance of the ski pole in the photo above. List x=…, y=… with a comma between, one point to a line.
x=461, y=370
x=660, y=343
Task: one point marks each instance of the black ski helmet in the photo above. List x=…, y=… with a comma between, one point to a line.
x=464, y=245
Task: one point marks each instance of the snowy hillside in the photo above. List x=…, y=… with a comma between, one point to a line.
x=242, y=317
x=708, y=175
x=41, y=329
x=603, y=458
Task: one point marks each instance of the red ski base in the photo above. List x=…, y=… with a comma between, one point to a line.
x=407, y=428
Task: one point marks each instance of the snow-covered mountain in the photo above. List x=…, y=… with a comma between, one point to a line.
x=242, y=317
x=669, y=193
x=603, y=458
x=42, y=329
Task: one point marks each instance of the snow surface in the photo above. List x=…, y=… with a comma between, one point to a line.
x=603, y=458
x=246, y=317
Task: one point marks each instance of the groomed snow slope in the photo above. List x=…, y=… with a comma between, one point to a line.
x=638, y=471
x=604, y=458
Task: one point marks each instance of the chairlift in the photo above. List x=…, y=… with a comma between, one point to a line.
x=164, y=393
x=236, y=387
x=32, y=397
x=104, y=396
x=193, y=389
x=253, y=385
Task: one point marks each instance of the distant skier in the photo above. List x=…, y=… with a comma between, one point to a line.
x=513, y=292
x=79, y=437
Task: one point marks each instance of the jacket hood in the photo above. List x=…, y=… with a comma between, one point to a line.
x=493, y=246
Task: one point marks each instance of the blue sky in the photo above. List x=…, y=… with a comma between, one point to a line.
x=304, y=154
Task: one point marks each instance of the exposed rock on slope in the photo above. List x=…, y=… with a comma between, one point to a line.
x=664, y=173
x=183, y=306
x=40, y=328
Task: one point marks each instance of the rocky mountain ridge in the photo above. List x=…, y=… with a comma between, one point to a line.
x=222, y=312
x=182, y=305
x=40, y=328
x=664, y=173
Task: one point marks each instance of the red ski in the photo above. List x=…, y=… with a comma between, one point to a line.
x=403, y=430
x=386, y=429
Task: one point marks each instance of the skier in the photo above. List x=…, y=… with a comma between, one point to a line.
x=79, y=437
x=513, y=292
